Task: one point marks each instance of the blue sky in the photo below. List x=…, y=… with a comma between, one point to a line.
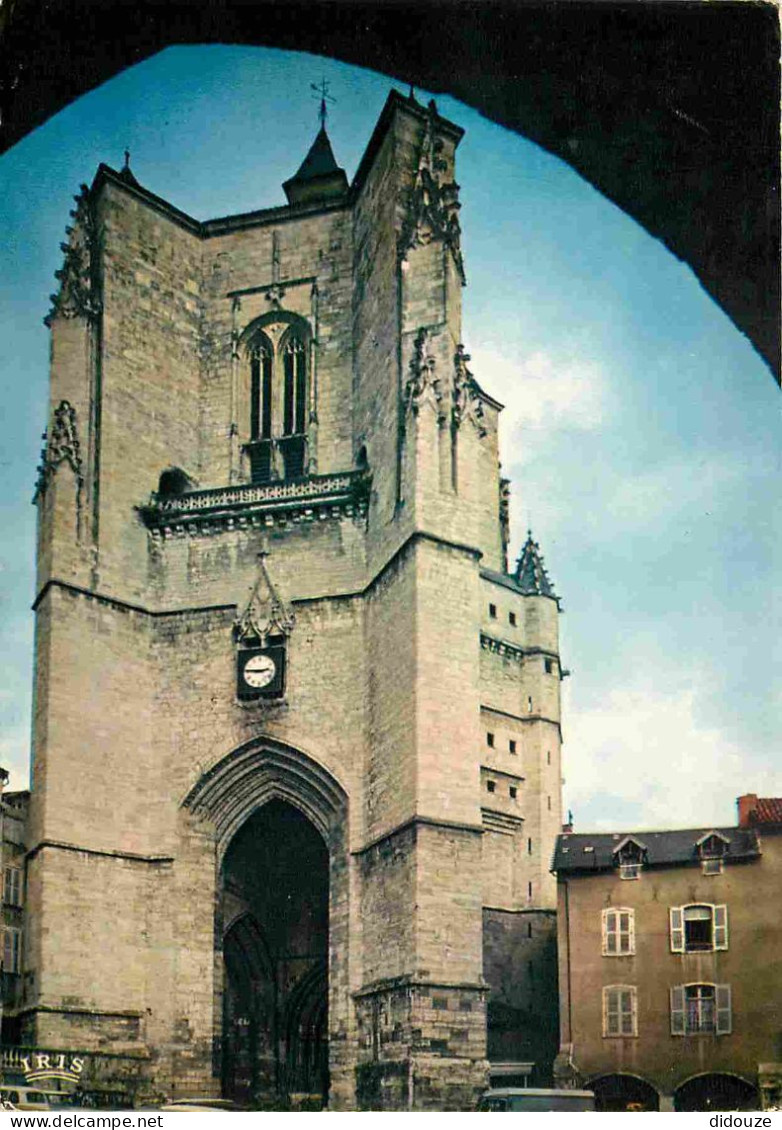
x=641, y=431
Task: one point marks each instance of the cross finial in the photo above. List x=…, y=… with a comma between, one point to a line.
x=127, y=158
x=322, y=89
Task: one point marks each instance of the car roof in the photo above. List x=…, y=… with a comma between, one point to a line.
x=535, y=1091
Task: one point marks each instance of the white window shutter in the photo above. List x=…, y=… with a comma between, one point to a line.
x=678, y=1019
x=631, y=931
x=610, y=932
x=635, y=1011
x=720, y=927
x=724, y=1012
x=677, y=929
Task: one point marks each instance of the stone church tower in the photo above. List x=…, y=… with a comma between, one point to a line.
x=296, y=775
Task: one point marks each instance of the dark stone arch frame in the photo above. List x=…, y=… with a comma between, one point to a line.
x=629, y=1075
x=734, y=1076
x=226, y=796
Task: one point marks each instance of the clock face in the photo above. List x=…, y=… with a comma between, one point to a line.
x=259, y=671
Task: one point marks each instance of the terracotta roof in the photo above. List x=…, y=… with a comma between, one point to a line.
x=768, y=810
x=583, y=852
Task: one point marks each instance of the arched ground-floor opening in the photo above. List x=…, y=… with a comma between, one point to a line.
x=716, y=1092
x=274, y=918
x=624, y=1092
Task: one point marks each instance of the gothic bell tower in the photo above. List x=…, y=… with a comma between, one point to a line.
x=296, y=732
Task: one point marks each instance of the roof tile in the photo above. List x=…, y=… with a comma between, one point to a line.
x=666, y=848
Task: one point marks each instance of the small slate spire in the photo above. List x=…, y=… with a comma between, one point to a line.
x=531, y=575
x=319, y=177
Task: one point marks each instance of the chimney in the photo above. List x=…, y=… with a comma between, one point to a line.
x=747, y=805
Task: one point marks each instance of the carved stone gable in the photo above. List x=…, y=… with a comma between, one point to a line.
x=433, y=206
x=423, y=386
x=467, y=402
x=266, y=614
x=61, y=446
x=78, y=296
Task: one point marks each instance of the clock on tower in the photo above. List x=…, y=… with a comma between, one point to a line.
x=260, y=671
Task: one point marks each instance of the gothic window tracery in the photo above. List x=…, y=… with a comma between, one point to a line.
x=295, y=366
x=261, y=355
x=278, y=355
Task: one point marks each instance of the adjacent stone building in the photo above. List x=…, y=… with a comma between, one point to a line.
x=296, y=776
x=13, y=823
x=670, y=964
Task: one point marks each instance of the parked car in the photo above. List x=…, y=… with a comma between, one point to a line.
x=200, y=1104
x=25, y=1098
x=535, y=1099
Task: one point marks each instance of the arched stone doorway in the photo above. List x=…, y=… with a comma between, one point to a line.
x=716, y=1092
x=275, y=904
x=624, y=1092
x=279, y=822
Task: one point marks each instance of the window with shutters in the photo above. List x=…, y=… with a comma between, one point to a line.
x=698, y=927
x=12, y=950
x=618, y=931
x=620, y=1011
x=12, y=886
x=698, y=1009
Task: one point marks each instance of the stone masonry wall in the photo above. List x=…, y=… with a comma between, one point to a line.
x=376, y=378
x=150, y=373
x=314, y=257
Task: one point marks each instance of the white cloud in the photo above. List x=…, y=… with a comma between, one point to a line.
x=14, y=755
x=542, y=392
x=642, y=750
x=672, y=487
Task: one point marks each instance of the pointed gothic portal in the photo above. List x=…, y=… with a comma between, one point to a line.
x=275, y=913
